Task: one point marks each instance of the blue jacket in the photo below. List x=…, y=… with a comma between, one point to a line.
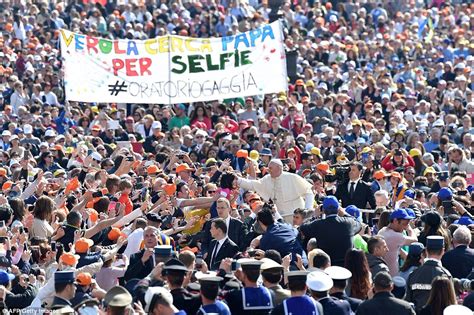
x=282, y=238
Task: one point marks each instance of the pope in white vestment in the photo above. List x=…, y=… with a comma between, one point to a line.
x=288, y=191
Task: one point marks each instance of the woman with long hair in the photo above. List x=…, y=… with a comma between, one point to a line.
x=434, y=226
x=441, y=296
x=413, y=260
x=199, y=114
x=360, y=282
x=43, y=218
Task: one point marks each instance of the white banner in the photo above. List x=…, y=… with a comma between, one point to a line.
x=173, y=69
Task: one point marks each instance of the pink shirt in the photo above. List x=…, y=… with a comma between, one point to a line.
x=394, y=240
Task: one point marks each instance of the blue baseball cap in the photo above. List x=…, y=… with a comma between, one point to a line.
x=445, y=194
x=411, y=213
x=410, y=194
x=464, y=221
x=355, y=212
x=330, y=203
x=6, y=277
x=400, y=214
x=470, y=188
x=416, y=249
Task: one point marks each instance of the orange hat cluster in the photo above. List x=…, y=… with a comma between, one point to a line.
x=83, y=244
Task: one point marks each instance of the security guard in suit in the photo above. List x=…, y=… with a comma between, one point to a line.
x=299, y=303
x=419, y=281
x=252, y=299
x=65, y=288
x=319, y=284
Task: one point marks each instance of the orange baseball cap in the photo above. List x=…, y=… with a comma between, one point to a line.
x=114, y=234
x=380, y=174
x=69, y=259
x=152, y=169
x=242, y=154
x=83, y=245
x=191, y=249
x=183, y=167
x=169, y=189
x=96, y=128
x=396, y=175
x=84, y=278
x=323, y=167
x=7, y=185
x=93, y=214
x=3, y=172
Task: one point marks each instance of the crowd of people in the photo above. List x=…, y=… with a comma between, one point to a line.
x=352, y=192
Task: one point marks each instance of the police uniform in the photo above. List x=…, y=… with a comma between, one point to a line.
x=256, y=300
x=62, y=277
x=419, y=281
x=321, y=282
x=59, y=302
x=298, y=305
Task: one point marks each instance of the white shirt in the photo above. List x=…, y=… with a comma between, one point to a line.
x=217, y=249
x=350, y=183
x=227, y=222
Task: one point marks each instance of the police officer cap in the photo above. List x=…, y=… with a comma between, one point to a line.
x=193, y=287
x=248, y=263
x=269, y=264
x=199, y=275
x=297, y=276
x=65, y=310
x=163, y=250
x=434, y=242
x=64, y=277
x=338, y=273
x=118, y=296
x=457, y=310
x=319, y=281
x=210, y=282
x=175, y=265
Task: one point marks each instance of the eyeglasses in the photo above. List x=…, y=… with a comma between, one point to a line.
x=101, y=149
x=211, y=191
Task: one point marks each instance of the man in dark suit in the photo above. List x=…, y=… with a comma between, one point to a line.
x=235, y=228
x=334, y=234
x=221, y=246
x=384, y=302
x=460, y=260
x=143, y=262
x=355, y=191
